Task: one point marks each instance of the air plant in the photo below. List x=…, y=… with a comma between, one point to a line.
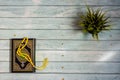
x=94, y=22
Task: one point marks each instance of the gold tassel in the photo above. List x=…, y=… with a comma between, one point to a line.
x=27, y=57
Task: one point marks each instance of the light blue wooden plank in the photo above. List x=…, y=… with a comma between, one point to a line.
x=76, y=67
x=72, y=67
x=78, y=45
x=58, y=34
x=69, y=45
x=82, y=56
x=53, y=11
x=59, y=2
x=33, y=76
x=46, y=23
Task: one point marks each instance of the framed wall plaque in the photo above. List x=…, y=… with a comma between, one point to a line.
x=18, y=64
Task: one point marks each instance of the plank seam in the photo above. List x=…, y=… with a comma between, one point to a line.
x=64, y=73
x=64, y=50
x=47, y=17
x=43, y=29
x=59, y=5
x=109, y=62
x=67, y=40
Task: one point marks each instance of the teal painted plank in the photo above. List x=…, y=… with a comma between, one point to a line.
x=32, y=76
x=46, y=23
x=72, y=67
x=87, y=56
x=58, y=34
x=59, y=2
x=53, y=11
x=69, y=45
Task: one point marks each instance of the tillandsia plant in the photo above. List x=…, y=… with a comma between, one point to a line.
x=94, y=22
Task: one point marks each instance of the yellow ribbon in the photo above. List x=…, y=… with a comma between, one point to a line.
x=27, y=57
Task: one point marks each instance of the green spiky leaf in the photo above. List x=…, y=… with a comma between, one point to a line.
x=94, y=21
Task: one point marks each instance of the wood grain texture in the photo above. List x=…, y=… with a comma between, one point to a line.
x=59, y=2
x=54, y=11
x=70, y=45
x=46, y=23
x=73, y=67
x=78, y=56
x=58, y=34
x=71, y=56
x=33, y=76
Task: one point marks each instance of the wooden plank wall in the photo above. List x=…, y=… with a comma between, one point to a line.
x=71, y=54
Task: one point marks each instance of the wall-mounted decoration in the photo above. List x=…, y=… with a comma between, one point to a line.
x=19, y=64
x=94, y=22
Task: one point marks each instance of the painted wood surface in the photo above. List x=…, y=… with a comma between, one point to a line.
x=54, y=11
x=74, y=67
x=35, y=76
x=72, y=55
x=45, y=23
x=58, y=34
x=70, y=45
x=59, y=2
